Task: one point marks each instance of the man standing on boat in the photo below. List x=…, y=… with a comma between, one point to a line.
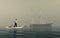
x=15, y=23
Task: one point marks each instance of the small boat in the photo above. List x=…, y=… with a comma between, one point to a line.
x=14, y=27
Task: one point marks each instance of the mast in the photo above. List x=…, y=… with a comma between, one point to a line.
x=41, y=17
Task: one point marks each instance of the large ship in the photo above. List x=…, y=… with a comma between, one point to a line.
x=41, y=22
x=41, y=25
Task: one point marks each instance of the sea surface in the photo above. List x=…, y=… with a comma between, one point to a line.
x=22, y=33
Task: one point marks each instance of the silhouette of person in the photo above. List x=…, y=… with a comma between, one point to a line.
x=15, y=23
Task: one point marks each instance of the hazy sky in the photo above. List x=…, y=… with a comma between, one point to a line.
x=24, y=9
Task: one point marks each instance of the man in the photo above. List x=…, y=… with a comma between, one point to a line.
x=15, y=23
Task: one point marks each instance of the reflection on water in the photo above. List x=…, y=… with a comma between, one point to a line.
x=14, y=33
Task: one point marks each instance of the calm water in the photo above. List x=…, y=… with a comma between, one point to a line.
x=20, y=33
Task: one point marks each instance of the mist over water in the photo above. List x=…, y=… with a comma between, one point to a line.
x=24, y=9
x=27, y=12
